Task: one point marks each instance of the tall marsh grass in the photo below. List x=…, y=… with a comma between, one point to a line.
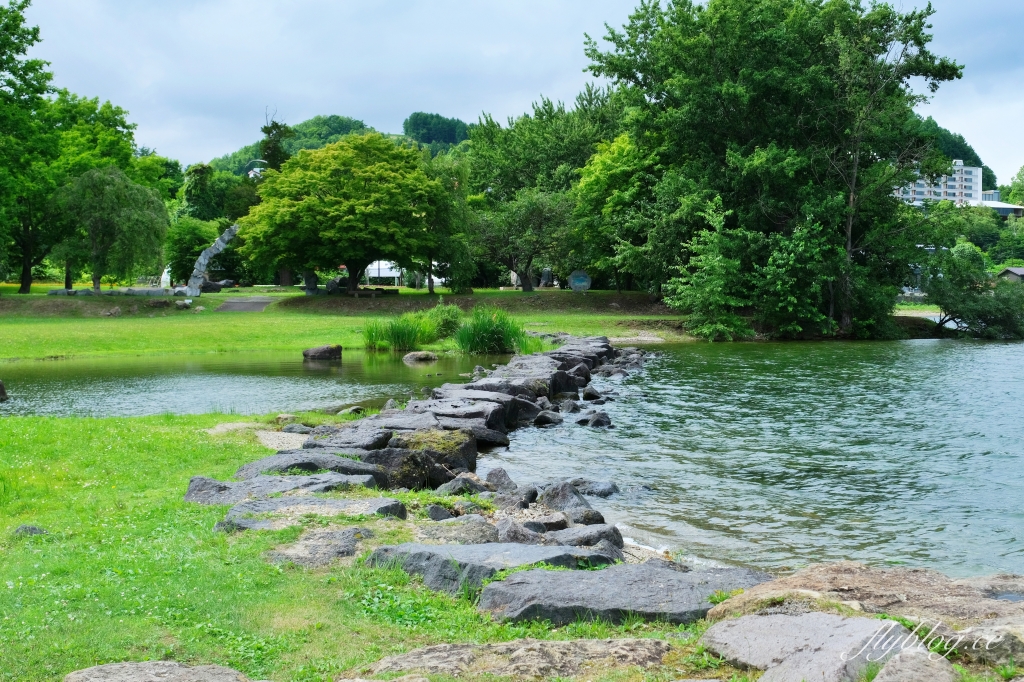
x=412, y=330
x=494, y=331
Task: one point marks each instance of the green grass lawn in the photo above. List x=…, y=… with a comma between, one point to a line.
x=129, y=571
x=39, y=326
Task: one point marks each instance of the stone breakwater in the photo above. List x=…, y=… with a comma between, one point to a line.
x=820, y=623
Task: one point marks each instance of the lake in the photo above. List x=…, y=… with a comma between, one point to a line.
x=770, y=455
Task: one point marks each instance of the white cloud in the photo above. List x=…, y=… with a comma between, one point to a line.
x=197, y=75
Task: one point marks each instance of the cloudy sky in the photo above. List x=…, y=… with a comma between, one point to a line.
x=199, y=75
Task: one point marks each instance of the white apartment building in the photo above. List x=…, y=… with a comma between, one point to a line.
x=963, y=187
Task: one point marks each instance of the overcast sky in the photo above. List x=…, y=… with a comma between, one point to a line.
x=198, y=75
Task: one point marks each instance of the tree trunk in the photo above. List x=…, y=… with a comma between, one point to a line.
x=285, y=277
x=354, y=275
x=430, y=275
x=26, y=273
x=618, y=284
x=525, y=280
x=68, y=284
x=96, y=277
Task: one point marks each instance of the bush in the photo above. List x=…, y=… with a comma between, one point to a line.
x=493, y=331
x=446, y=318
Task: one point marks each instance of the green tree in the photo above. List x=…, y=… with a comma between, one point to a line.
x=954, y=146
x=160, y=173
x=970, y=300
x=798, y=115
x=272, y=147
x=449, y=222
x=186, y=240
x=1015, y=194
x=526, y=228
x=315, y=133
x=199, y=199
x=119, y=224
x=358, y=200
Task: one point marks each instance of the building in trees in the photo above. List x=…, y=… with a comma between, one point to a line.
x=962, y=187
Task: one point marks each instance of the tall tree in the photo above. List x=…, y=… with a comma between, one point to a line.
x=358, y=200
x=272, y=147
x=120, y=225
x=449, y=221
x=798, y=116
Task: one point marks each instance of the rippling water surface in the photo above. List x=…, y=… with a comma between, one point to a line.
x=253, y=383
x=778, y=455
x=771, y=455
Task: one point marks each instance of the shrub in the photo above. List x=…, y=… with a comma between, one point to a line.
x=446, y=318
x=493, y=331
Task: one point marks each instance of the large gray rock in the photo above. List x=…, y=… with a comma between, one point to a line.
x=297, y=428
x=436, y=512
x=470, y=529
x=311, y=461
x=501, y=481
x=491, y=414
x=210, y=491
x=586, y=536
x=595, y=488
x=462, y=485
x=527, y=658
x=320, y=547
x=322, y=353
x=548, y=418
x=453, y=568
x=562, y=496
x=362, y=435
x=510, y=403
x=917, y=665
x=510, y=530
x=281, y=512
x=412, y=469
x=655, y=590
x=584, y=517
x=156, y=671
x=810, y=646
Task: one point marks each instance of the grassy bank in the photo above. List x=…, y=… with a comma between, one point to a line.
x=129, y=571
x=40, y=326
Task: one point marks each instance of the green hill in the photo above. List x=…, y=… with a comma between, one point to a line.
x=312, y=134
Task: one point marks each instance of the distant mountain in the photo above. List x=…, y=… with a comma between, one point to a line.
x=955, y=146
x=312, y=134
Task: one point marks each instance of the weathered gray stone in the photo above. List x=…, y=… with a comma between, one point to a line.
x=490, y=414
x=599, y=420
x=311, y=461
x=391, y=404
x=558, y=521
x=355, y=409
x=470, y=529
x=584, y=517
x=996, y=641
x=569, y=407
x=412, y=469
x=203, y=490
x=463, y=507
x=419, y=356
x=322, y=353
x=591, y=393
x=452, y=568
x=501, y=481
x=25, y=530
x=562, y=496
x=587, y=536
x=460, y=486
x=320, y=547
x=436, y=512
x=548, y=418
x=811, y=646
x=527, y=658
x=595, y=488
x=509, y=530
x=297, y=428
x=655, y=590
x=281, y=512
x=156, y=671
x=361, y=435
x=516, y=499
x=917, y=665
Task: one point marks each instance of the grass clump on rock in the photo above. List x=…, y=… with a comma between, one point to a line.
x=494, y=331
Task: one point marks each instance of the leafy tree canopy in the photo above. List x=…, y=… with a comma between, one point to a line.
x=358, y=200
x=954, y=146
x=428, y=128
x=315, y=133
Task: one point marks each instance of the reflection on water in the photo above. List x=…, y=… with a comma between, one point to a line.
x=778, y=455
x=254, y=383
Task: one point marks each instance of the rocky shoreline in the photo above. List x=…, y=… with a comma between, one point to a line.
x=821, y=623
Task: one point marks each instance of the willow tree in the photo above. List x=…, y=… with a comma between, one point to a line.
x=359, y=200
x=798, y=116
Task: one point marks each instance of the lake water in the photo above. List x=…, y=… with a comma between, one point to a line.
x=251, y=383
x=769, y=455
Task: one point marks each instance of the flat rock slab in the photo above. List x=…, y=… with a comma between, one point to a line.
x=251, y=304
x=311, y=461
x=156, y=671
x=654, y=590
x=472, y=529
x=452, y=568
x=810, y=646
x=917, y=665
x=320, y=547
x=282, y=512
x=203, y=490
x=527, y=658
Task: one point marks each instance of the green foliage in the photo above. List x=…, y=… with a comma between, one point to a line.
x=403, y=333
x=491, y=331
x=375, y=334
x=356, y=201
x=431, y=128
x=315, y=133
x=960, y=285
x=870, y=672
x=187, y=238
x=954, y=146
x=119, y=224
x=1015, y=193
x=446, y=319
x=1007, y=671
x=272, y=149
